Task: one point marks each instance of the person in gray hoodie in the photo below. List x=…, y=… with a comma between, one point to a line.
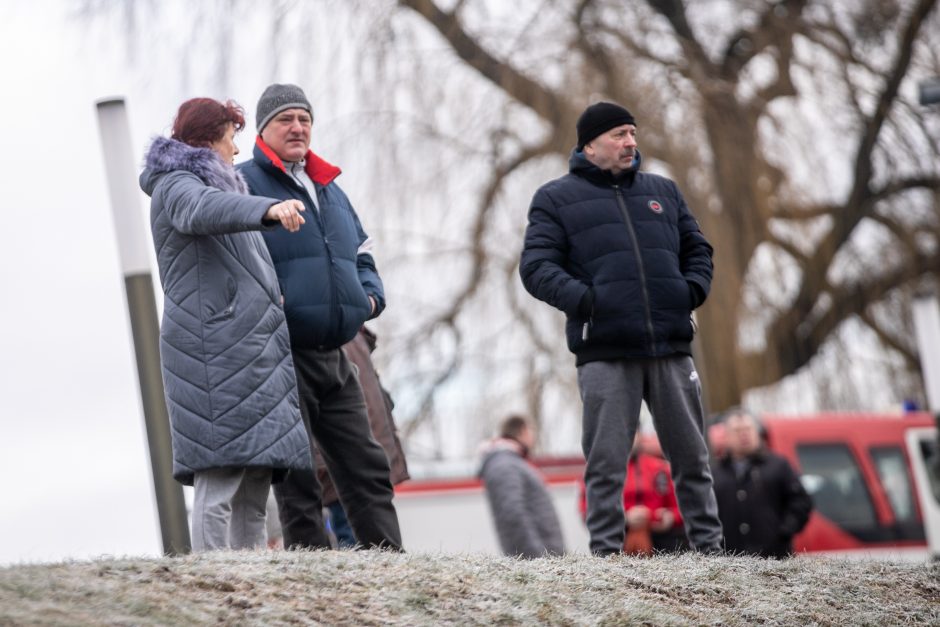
x=525, y=519
x=224, y=346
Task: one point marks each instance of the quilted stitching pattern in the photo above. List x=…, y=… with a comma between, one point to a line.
x=224, y=344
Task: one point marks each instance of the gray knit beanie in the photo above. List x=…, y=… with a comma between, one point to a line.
x=278, y=97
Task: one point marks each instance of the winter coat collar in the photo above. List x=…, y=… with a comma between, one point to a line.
x=578, y=164
x=168, y=155
x=320, y=172
x=757, y=457
x=503, y=444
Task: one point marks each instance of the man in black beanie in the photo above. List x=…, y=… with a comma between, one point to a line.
x=618, y=251
x=330, y=286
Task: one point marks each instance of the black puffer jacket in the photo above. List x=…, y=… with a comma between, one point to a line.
x=622, y=257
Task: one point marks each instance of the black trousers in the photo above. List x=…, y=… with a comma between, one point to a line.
x=334, y=411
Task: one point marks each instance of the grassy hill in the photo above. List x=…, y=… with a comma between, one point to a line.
x=372, y=588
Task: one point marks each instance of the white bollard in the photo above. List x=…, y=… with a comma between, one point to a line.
x=145, y=326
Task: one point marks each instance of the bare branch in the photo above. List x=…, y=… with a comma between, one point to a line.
x=479, y=255
x=641, y=51
x=788, y=248
x=674, y=12
x=863, y=160
x=861, y=200
x=906, y=184
x=905, y=236
x=544, y=102
x=886, y=191
x=805, y=213
x=776, y=27
x=426, y=411
x=796, y=342
x=891, y=341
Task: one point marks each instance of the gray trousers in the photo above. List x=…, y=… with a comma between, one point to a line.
x=229, y=508
x=612, y=392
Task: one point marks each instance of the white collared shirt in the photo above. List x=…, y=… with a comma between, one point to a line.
x=296, y=170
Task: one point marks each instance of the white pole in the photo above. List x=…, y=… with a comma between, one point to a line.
x=133, y=246
x=927, y=329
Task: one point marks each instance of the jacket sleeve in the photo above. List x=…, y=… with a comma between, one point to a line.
x=368, y=274
x=544, y=253
x=695, y=254
x=195, y=208
x=505, y=489
x=797, y=504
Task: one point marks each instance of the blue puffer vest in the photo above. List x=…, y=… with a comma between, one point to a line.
x=325, y=283
x=629, y=241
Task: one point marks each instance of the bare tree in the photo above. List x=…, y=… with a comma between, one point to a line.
x=730, y=97
x=791, y=127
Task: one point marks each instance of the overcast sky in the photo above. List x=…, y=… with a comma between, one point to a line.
x=73, y=459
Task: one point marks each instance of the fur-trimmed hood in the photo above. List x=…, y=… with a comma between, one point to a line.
x=169, y=155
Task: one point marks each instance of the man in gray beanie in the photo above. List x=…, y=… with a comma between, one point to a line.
x=618, y=251
x=277, y=98
x=330, y=287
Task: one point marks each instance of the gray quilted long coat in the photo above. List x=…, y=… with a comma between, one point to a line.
x=224, y=346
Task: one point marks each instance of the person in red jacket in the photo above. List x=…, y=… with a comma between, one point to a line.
x=651, y=512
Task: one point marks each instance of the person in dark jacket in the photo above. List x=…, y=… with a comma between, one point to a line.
x=525, y=518
x=331, y=287
x=381, y=422
x=618, y=251
x=229, y=383
x=761, y=501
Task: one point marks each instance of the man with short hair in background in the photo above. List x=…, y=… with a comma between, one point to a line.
x=331, y=287
x=618, y=251
x=525, y=518
x=761, y=501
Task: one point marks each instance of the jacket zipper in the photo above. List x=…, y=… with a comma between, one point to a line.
x=639, y=263
x=318, y=210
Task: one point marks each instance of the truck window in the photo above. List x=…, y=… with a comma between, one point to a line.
x=840, y=494
x=892, y=470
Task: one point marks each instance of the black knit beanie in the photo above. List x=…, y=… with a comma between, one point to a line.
x=600, y=118
x=277, y=98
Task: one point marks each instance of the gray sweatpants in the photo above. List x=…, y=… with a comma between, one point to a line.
x=229, y=507
x=612, y=392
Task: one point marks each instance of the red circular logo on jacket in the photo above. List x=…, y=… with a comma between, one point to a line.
x=655, y=206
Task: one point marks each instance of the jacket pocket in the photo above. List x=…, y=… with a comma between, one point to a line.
x=227, y=311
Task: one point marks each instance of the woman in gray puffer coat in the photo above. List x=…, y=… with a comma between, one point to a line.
x=227, y=369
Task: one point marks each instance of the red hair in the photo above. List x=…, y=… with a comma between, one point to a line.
x=202, y=121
